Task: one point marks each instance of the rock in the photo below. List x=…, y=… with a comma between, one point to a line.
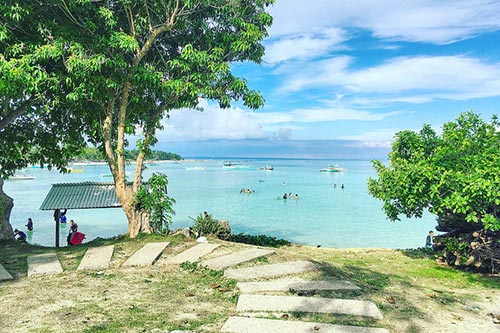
x=181, y=231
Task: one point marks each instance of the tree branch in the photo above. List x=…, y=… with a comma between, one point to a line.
x=9, y=117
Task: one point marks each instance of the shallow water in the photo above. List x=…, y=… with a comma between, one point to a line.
x=324, y=214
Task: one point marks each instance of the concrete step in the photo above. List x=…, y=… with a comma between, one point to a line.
x=251, y=303
x=236, y=258
x=193, y=254
x=273, y=270
x=4, y=274
x=44, y=264
x=147, y=255
x=97, y=258
x=259, y=325
x=294, y=284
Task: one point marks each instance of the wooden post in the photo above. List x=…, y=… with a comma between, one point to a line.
x=57, y=216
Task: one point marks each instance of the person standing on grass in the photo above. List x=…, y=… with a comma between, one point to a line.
x=429, y=241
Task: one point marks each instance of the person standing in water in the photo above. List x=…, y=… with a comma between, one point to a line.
x=29, y=225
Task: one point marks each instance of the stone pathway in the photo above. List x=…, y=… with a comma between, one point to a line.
x=97, y=258
x=4, y=274
x=260, y=325
x=254, y=305
x=193, y=254
x=266, y=271
x=251, y=303
x=44, y=264
x=236, y=258
x=294, y=284
x=147, y=255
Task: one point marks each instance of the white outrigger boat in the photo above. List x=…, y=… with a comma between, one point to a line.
x=332, y=168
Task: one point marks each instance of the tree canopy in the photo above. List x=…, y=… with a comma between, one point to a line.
x=117, y=67
x=454, y=175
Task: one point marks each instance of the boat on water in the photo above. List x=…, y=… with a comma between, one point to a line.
x=90, y=163
x=267, y=167
x=230, y=165
x=22, y=177
x=332, y=168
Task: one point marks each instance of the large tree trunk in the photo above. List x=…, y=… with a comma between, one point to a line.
x=138, y=221
x=6, y=204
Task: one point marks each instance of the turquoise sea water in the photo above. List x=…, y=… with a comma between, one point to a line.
x=324, y=214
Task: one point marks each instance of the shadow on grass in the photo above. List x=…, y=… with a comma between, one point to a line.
x=374, y=285
x=454, y=272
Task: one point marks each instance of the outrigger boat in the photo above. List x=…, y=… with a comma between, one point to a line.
x=332, y=168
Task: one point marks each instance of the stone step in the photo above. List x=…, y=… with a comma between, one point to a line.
x=294, y=284
x=4, y=274
x=193, y=254
x=250, y=303
x=147, y=255
x=44, y=264
x=265, y=271
x=259, y=325
x=97, y=258
x=236, y=258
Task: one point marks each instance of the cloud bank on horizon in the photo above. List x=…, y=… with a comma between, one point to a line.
x=362, y=71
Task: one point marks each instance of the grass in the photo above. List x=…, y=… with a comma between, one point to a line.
x=413, y=292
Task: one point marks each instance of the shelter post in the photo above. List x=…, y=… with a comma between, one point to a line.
x=57, y=216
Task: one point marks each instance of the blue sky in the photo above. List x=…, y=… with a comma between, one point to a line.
x=342, y=77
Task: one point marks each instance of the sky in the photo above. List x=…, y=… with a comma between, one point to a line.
x=340, y=78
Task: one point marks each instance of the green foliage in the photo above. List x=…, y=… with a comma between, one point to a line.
x=205, y=224
x=94, y=154
x=260, y=240
x=107, y=71
x=455, y=175
x=154, y=200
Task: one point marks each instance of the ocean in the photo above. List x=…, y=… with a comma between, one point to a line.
x=325, y=213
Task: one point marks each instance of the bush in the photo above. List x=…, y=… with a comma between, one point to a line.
x=261, y=240
x=205, y=224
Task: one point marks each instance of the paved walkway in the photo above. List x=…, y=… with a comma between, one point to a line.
x=4, y=274
x=193, y=254
x=294, y=284
x=236, y=258
x=259, y=325
x=44, y=264
x=273, y=270
x=250, y=303
x=97, y=258
x=147, y=255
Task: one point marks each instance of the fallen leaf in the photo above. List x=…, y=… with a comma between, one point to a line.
x=391, y=300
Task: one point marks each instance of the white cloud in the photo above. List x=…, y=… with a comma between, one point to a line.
x=421, y=78
x=330, y=112
x=304, y=46
x=212, y=123
x=438, y=22
x=373, y=139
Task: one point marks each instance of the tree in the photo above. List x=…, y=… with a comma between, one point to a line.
x=34, y=126
x=129, y=63
x=455, y=175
